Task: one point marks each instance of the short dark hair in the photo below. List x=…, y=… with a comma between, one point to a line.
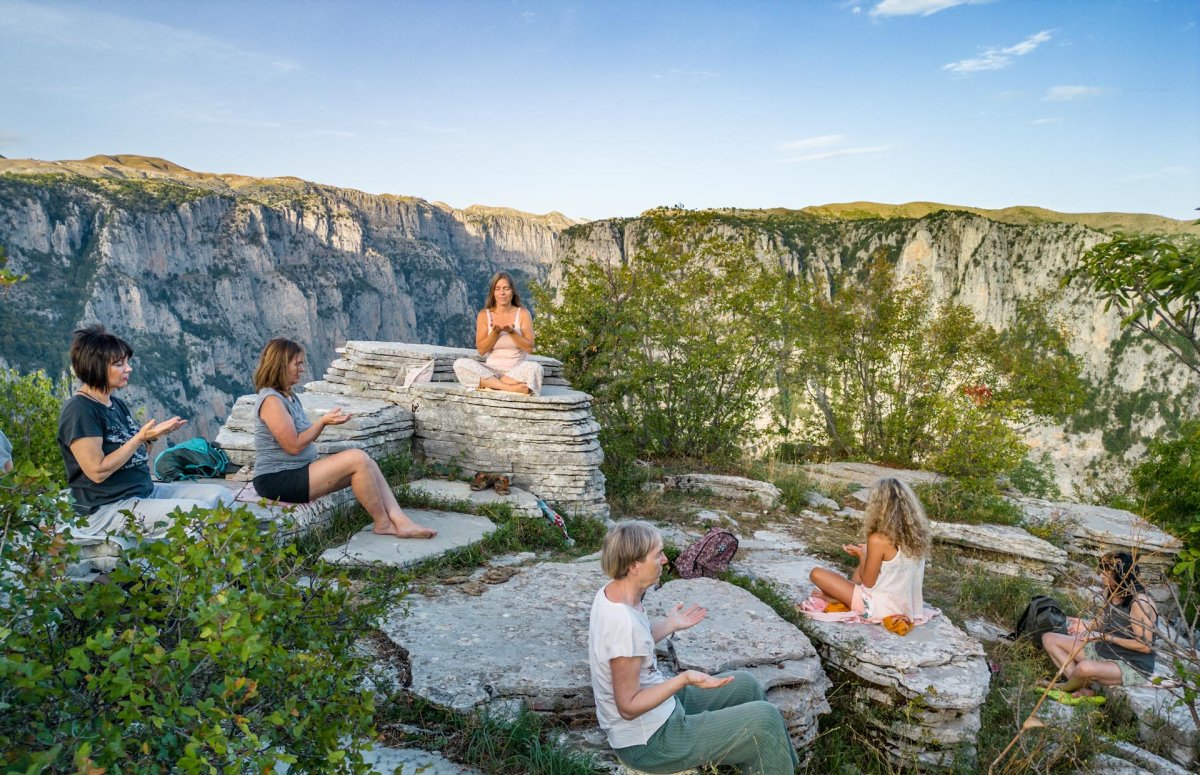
x=93, y=350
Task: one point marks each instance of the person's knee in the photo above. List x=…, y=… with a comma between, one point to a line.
x=360, y=459
x=761, y=717
x=747, y=686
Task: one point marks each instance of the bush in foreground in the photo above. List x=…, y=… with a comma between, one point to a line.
x=206, y=652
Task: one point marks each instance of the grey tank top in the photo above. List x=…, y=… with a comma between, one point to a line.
x=269, y=457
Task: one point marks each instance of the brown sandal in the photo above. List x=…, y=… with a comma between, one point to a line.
x=502, y=485
x=482, y=481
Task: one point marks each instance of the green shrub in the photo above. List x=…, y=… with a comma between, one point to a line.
x=29, y=407
x=968, y=501
x=206, y=652
x=1035, y=478
x=1168, y=480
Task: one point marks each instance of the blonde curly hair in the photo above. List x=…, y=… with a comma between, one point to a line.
x=894, y=510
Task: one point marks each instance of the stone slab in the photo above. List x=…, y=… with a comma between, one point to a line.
x=522, y=501
x=864, y=474
x=1162, y=721
x=1097, y=529
x=455, y=531
x=726, y=487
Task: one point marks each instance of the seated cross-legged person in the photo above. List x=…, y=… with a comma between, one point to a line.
x=286, y=466
x=504, y=333
x=659, y=724
x=106, y=452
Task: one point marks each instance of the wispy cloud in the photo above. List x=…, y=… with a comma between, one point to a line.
x=676, y=72
x=1173, y=171
x=1045, y=121
x=1065, y=93
x=998, y=58
x=211, y=113
x=82, y=28
x=332, y=133
x=859, y=151
x=918, y=7
x=820, y=141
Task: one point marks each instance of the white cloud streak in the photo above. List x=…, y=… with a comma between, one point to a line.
x=1045, y=121
x=1173, y=171
x=862, y=150
x=1066, y=93
x=918, y=7
x=998, y=58
x=821, y=141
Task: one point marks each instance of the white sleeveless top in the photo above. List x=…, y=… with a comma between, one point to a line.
x=899, y=588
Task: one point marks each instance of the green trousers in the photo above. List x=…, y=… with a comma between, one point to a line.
x=733, y=725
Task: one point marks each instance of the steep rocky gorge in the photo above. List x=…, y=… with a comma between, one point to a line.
x=199, y=270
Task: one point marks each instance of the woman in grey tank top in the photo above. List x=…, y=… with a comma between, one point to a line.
x=287, y=466
x=1117, y=647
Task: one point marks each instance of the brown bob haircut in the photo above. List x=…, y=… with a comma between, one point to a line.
x=273, y=365
x=490, y=302
x=93, y=350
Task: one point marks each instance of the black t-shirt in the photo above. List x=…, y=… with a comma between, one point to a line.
x=83, y=418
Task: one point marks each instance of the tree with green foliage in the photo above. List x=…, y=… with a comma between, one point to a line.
x=675, y=343
x=29, y=408
x=1154, y=283
x=7, y=276
x=214, y=650
x=896, y=379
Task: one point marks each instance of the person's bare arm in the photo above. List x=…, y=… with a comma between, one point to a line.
x=97, y=466
x=678, y=619
x=277, y=419
x=633, y=699
x=1141, y=622
x=878, y=546
x=485, y=335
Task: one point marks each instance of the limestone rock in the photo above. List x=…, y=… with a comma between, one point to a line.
x=523, y=502
x=937, y=676
x=455, y=531
x=1163, y=720
x=726, y=487
x=860, y=475
x=1097, y=529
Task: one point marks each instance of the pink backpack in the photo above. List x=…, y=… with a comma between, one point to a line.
x=710, y=556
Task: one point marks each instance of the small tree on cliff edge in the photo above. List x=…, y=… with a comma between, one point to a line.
x=675, y=343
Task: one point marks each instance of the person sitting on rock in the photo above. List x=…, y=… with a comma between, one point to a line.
x=1117, y=648
x=286, y=466
x=504, y=333
x=660, y=724
x=891, y=563
x=107, y=453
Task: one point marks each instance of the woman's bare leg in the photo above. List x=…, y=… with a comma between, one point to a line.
x=355, y=469
x=833, y=585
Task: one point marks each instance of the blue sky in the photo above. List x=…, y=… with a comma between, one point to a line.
x=600, y=109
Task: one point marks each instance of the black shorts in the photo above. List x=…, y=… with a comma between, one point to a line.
x=290, y=486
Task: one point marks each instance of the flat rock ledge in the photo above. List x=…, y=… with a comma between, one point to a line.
x=455, y=531
x=927, y=687
x=1095, y=530
x=1163, y=720
x=857, y=475
x=371, y=366
x=734, y=487
x=523, y=502
x=525, y=641
x=380, y=428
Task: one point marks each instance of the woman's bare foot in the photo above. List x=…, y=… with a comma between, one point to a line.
x=404, y=527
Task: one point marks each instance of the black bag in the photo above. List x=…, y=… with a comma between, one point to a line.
x=710, y=556
x=1042, y=615
x=191, y=459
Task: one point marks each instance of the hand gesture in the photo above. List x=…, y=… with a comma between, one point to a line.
x=680, y=619
x=154, y=430
x=706, y=681
x=335, y=416
x=855, y=550
x=1076, y=626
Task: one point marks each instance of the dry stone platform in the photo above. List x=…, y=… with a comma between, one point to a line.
x=928, y=686
x=1097, y=529
x=370, y=368
x=526, y=641
x=380, y=428
x=522, y=501
x=548, y=444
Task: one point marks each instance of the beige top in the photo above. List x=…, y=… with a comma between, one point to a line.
x=505, y=354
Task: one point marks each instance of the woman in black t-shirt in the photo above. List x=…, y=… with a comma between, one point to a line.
x=106, y=452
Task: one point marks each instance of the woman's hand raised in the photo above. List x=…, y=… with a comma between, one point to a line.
x=154, y=430
x=335, y=416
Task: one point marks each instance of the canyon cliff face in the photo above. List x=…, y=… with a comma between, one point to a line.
x=989, y=262
x=198, y=271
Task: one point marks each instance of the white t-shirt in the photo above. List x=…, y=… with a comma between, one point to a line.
x=616, y=630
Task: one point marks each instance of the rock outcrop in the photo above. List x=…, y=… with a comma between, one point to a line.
x=1095, y=530
x=734, y=487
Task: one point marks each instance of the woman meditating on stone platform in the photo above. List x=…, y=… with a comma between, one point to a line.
x=889, y=579
x=504, y=333
x=107, y=452
x=656, y=724
x=286, y=466
x=1115, y=649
